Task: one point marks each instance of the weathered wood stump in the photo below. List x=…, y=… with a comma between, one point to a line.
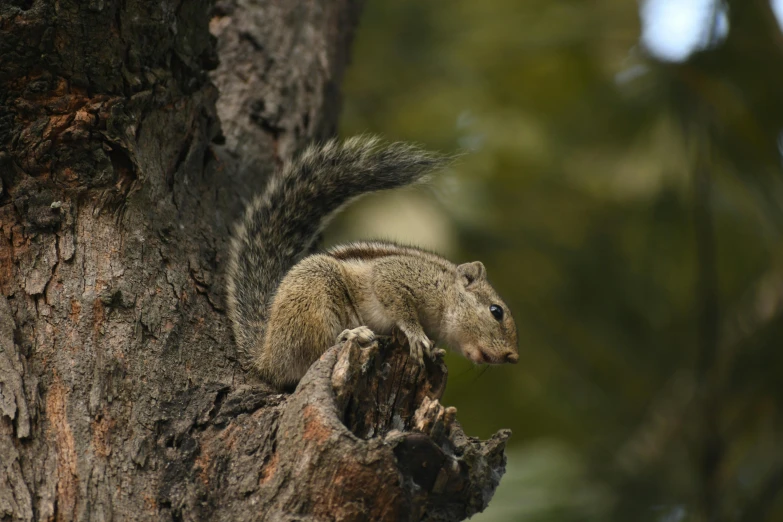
x=363, y=437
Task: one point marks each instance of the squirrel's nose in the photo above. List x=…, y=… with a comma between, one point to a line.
x=512, y=357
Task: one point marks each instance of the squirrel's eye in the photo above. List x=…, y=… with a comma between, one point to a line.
x=497, y=312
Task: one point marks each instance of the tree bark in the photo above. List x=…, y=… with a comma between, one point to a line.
x=131, y=134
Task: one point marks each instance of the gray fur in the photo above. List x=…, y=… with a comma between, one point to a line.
x=281, y=224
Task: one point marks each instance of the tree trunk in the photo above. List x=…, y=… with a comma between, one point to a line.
x=121, y=396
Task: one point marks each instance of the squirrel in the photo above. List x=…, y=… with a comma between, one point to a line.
x=289, y=306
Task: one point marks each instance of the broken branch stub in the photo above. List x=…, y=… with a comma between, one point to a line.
x=363, y=437
x=380, y=392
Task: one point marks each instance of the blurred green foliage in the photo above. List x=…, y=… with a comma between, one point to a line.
x=630, y=211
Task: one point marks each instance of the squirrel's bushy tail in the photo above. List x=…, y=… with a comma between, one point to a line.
x=281, y=224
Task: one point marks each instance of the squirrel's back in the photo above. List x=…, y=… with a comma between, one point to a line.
x=281, y=224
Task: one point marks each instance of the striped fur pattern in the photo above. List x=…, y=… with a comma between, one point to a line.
x=373, y=288
x=281, y=224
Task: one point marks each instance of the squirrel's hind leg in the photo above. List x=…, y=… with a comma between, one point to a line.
x=308, y=312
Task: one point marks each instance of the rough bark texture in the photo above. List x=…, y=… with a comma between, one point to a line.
x=121, y=397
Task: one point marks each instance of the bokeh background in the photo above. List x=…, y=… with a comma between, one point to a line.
x=624, y=189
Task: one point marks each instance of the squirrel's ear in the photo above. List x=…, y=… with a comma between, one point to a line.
x=474, y=271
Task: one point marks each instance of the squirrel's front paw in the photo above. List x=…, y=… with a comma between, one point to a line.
x=421, y=346
x=362, y=335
